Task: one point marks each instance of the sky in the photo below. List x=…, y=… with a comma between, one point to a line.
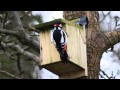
x=107, y=64
x=49, y=15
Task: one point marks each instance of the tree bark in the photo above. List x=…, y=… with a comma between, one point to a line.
x=97, y=42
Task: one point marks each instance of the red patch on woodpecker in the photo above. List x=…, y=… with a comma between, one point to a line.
x=56, y=24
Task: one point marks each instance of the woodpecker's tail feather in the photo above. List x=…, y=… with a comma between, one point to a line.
x=64, y=57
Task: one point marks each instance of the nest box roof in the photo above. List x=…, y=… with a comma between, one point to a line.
x=50, y=24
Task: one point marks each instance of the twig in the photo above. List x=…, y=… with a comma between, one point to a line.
x=104, y=16
x=107, y=75
x=101, y=76
x=116, y=22
x=9, y=74
x=19, y=64
x=25, y=15
x=104, y=74
x=32, y=29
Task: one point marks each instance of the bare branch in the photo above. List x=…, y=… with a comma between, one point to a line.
x=26, y=47
x=16, y=20
x=26, y=53
x=25, y=39
x=116, y=21
x=33, y=29
x=19, y=64
x=22, y=51
x=5, y=19
x=111, y=38
x=103, y=13
x=8, y=32
x=104, y=16
x=101, y=75
x=111, y=77
x=104, y=74
x=22, y=36
x=9, y=74
x=25, y=15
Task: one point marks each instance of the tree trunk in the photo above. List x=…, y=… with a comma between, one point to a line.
x=97, y=42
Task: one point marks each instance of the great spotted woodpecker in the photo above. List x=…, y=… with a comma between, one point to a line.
x=59, y=38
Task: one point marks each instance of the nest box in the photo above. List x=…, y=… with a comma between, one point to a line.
x=76, y=49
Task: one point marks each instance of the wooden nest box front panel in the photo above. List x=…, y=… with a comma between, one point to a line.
x=76, y=49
